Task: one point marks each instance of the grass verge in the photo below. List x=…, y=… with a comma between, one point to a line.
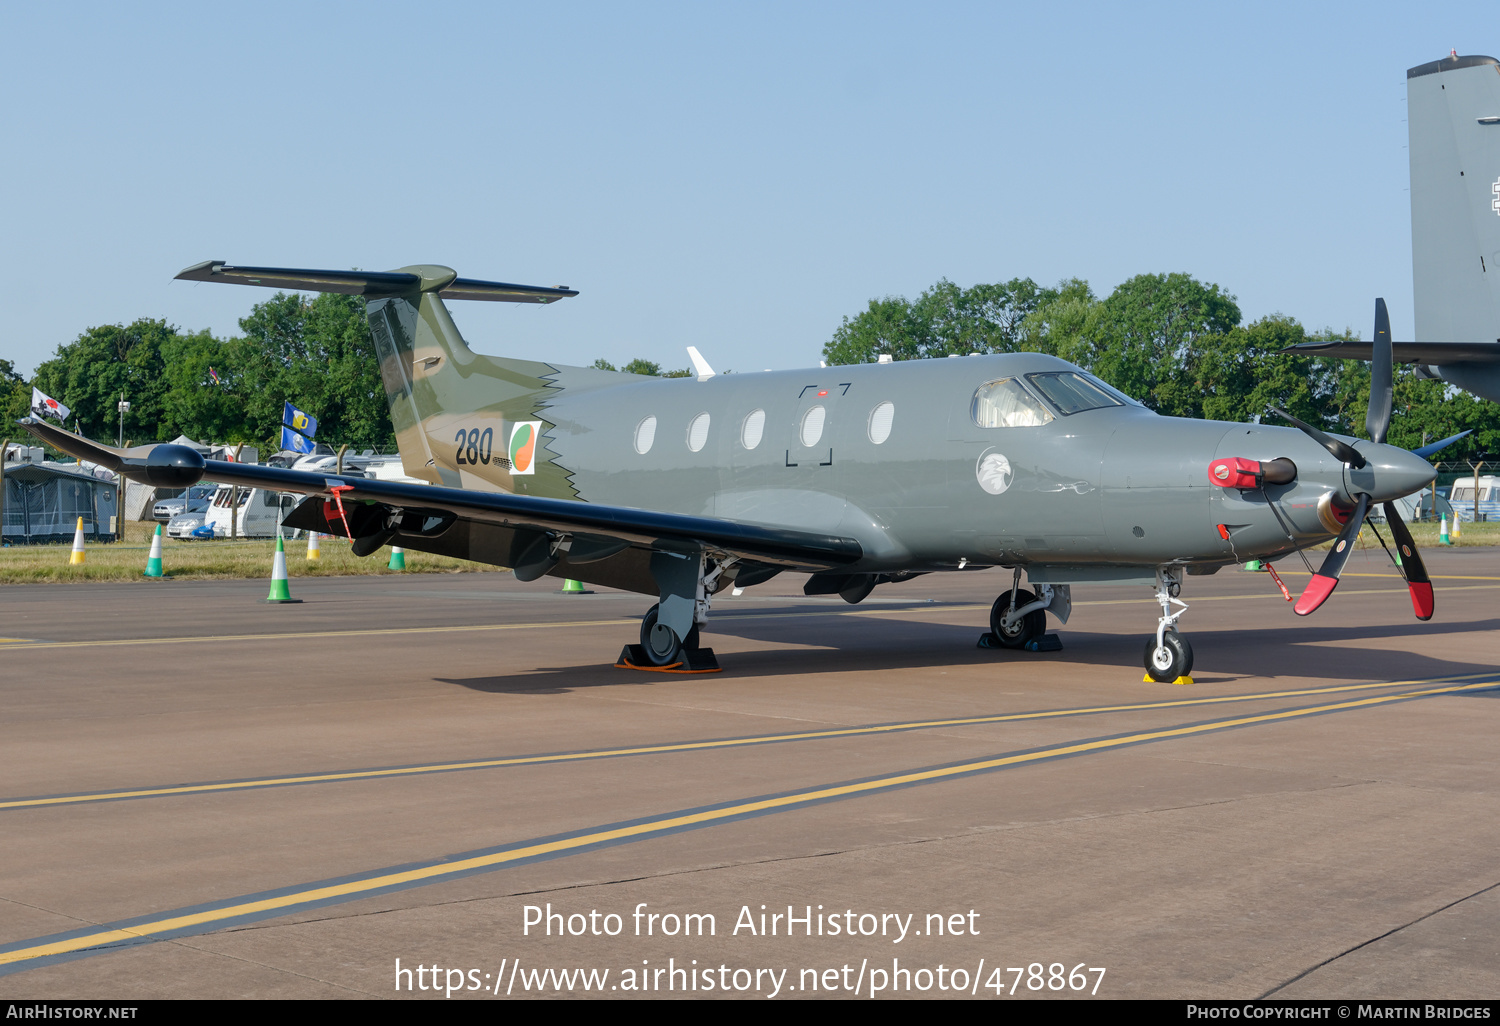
x=208, y=560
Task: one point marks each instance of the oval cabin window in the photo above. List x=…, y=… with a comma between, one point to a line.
x=645, y=434
x=881, y=418
x=698, y=432
x=753, y=428
x=812, y=425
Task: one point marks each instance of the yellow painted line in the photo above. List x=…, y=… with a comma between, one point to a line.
x=22, y=644
x=669, y=822
x=693, y=746
x=291, y=635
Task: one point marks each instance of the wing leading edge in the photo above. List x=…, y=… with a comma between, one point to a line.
x=1406, y=352
x=523, y=532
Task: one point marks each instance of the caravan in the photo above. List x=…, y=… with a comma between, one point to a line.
x=257, y=513
x=1461, y=496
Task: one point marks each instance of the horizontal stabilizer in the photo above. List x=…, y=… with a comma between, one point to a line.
x=1432, y=449
x=372, y=283
x=1406, y=352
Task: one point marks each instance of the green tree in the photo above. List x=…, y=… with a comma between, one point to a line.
x=319, y=356
x=91, y=373
x=888, y=326
x=1150, y=334
x=15, y=395
x=194, y=404
x=1064, y=318
x=945, y=320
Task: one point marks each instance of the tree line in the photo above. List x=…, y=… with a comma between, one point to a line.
x=1176, y=344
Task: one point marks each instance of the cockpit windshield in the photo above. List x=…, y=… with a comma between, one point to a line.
x=1072, y=392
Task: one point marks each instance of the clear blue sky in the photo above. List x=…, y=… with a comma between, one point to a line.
x=737, y=177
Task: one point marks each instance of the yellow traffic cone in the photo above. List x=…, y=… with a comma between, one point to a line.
x=76, y=559
x=313, y=552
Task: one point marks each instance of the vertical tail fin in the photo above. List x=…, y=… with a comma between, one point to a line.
x=441, y=393
x=1453, y=116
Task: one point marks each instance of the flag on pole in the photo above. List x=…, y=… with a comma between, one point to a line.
x=43, y=405
x=297, y=429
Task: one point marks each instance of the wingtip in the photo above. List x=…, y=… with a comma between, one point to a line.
x=188, y=272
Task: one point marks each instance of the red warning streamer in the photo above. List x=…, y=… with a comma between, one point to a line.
x=338, y=500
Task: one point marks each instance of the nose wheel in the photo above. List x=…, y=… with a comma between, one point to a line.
x=1168, y=655
x=1169, y=660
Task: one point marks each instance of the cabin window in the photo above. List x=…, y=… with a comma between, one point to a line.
x=881, y=418
x=698, y=432
x=1004, y=403
x=645, y=434
x=1071, y=392
x=812, y=425
x=269, y=500
x=753, y=428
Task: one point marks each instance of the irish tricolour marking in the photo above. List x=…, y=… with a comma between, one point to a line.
x=523, y=446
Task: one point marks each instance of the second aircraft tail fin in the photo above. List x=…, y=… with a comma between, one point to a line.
x=1453, y=117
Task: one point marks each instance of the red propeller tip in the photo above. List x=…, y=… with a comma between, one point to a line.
x=1421, y=598
x=1315, y=594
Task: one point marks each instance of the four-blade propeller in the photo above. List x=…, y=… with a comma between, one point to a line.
x=1378, y=423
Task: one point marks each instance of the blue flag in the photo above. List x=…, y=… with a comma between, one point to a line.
x=297, y=429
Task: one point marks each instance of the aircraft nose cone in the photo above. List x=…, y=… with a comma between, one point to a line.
x=1390, y=473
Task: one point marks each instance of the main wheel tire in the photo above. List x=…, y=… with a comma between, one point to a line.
x=661, y=644
x=1174, y=659
x=1030, y=627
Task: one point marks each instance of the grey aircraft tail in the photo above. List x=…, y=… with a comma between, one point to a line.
x=1453, y=116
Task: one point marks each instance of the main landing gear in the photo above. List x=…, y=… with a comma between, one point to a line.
x=1019, y=617
x=660, y=642
x=671, y=629
x=1168, y=656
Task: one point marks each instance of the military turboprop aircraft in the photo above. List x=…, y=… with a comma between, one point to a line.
x=1453, y=120
x=859, y=475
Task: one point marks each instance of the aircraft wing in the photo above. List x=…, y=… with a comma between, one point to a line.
x=518, y=531
x=1406, y=352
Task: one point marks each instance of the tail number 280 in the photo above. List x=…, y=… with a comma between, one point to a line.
x=474, y=446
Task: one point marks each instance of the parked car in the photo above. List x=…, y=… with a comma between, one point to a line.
x=195, y=501
x=184, y=524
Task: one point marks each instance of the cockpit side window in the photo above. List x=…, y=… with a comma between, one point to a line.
x=1005, y=403
x=1072, y=392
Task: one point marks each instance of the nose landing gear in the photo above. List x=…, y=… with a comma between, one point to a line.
x=1168, y=657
